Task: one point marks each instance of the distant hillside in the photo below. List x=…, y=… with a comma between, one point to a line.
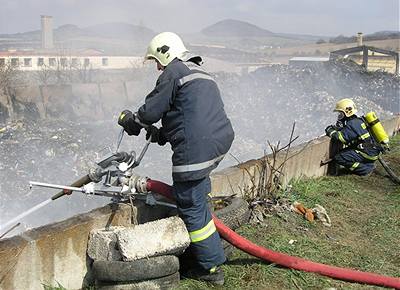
x=235, y=28
x=107, y=30
x=120, y=30
x=380, y=35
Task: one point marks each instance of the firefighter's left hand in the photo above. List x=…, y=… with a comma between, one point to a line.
x=329, y=130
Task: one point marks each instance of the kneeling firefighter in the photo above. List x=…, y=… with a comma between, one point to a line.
x=359, y=150
x=194, y=122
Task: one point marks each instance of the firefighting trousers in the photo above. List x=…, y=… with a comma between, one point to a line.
x=354, y=162
x=191, y=198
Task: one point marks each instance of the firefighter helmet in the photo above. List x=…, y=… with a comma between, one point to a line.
x=346, y=106
x=165, y=47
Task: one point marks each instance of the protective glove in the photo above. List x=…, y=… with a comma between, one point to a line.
x=127, y=120
x=156, y=134
x=329, y=130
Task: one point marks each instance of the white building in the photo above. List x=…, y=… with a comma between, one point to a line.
x=88, y=59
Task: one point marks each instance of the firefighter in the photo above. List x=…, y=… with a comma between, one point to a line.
x=187, y=101
x=358, y=150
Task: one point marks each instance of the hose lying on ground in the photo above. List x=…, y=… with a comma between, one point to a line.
x=283, y=259
x=392, y=175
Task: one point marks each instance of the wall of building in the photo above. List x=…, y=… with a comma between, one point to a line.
x=377, y=62
x=57, y=62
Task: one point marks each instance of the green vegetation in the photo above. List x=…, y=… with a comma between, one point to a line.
x=365, y=214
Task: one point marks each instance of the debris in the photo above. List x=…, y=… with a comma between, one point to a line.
x=321, y=214
x=309, y=215
x=291, y=242
x=317, y=213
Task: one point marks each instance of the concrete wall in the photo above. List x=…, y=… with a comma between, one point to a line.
x=78, y=100
x=57, y=252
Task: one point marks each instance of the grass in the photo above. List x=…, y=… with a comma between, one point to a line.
x=365, y=214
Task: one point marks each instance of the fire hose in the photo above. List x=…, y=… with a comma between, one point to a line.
x=284, y=260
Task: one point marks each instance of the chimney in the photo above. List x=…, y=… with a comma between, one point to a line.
x=47, y=32
x=359, y=39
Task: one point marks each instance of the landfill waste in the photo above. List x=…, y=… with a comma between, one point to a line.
x=316, y=213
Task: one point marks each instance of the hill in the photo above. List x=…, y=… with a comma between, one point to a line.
x=235, y=28
x=106, y=30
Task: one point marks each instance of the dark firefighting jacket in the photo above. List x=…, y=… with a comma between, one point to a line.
x=354, y=135
x=194, y=122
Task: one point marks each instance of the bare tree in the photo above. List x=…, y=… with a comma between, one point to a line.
x=10, y=78
x=44, y=75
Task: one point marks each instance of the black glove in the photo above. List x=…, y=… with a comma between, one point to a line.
x=127, y=120
x=329, y=130
x=156, y=134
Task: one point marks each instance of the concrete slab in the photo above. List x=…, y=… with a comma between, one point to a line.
x=102, y=244
x=162, y=237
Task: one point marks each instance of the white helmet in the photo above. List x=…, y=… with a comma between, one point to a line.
x=165, y=47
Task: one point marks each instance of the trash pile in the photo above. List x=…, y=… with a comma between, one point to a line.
x=264, y=104
x=56, y=151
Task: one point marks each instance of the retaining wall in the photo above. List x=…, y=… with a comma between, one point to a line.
x=77, y=100
x=57, y=252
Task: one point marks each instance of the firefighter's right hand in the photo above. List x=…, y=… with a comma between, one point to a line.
x=127, y=120
x=156, y=135
x=329, y=130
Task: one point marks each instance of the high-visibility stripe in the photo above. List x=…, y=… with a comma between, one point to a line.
x=365, y=136
x=363, y=126
x=196, y=166
x=330, y=135
x=341, y=138
x=203, y=233
x=193, y=76
x=366, y=156
x=354, y=166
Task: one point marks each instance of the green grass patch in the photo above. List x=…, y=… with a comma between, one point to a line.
x=365, y=214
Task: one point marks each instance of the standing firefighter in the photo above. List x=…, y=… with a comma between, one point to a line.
x=194, y=122
x=359, y=149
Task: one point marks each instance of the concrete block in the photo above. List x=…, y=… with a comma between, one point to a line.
x=162, y=237
x=102, y=244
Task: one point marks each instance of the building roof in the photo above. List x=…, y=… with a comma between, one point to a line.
x=306, y=58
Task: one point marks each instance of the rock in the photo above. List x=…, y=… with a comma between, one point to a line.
x=102, y=245
x=161, y=237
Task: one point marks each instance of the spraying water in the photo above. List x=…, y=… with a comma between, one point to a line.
x=24, y=214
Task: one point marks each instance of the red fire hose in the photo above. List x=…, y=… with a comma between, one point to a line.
x=283, y=259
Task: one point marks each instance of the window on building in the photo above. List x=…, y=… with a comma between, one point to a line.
x=63, y=62
x=104, y=61
x=28, y=62
x=52, y=61
x=86, y=62
x=74, y=62
x=40, y=61
x=2, y=61
x=15, y=62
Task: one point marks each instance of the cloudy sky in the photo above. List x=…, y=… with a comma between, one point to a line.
x=317, y=17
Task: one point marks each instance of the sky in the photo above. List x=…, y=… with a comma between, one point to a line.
x=316, y=17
